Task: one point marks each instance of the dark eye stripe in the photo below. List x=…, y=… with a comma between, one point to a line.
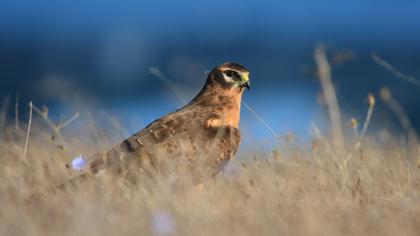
x=233, y=74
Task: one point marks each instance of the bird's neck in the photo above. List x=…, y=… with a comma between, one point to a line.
x=223, y=103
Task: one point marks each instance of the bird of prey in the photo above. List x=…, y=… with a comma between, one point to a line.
x=201, y=137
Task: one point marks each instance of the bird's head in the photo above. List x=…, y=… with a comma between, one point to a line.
x=230, y=75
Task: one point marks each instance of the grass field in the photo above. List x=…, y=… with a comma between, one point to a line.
x=339, y=184
x=303, y=191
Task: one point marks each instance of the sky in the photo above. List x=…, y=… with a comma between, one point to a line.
x=101, y=53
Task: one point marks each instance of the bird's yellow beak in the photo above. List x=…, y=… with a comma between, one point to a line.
x=245, y=80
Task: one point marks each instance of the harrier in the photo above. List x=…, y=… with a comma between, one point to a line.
x=201, y=137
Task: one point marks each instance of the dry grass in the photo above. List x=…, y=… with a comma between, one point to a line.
x=316, y=191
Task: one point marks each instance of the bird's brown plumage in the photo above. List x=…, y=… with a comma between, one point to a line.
x=201, y=136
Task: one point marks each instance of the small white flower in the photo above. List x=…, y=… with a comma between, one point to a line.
x=162, y=223
x=78, y=163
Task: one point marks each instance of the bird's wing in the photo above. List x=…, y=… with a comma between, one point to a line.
x=161, y=136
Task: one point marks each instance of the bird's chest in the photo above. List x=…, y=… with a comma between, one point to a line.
x=202, y=144
x=228, y=117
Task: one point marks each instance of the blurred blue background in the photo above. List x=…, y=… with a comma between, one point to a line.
x=73, y=54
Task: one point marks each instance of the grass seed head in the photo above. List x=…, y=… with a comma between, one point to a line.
x=385, y=94
x=371, y=100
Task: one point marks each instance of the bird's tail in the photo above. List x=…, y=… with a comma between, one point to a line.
x=71, y=183
x=68, y=184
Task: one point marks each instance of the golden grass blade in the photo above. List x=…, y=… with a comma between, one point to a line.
x=324, y=74
x=407, y=78
x=28, y=132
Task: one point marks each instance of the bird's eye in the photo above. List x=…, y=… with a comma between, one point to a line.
x=232, y=74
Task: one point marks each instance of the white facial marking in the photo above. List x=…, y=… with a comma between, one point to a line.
x=230, y=79
x=227, y=78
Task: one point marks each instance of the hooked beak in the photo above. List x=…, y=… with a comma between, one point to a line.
x=245, y=81
x=247, y=85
